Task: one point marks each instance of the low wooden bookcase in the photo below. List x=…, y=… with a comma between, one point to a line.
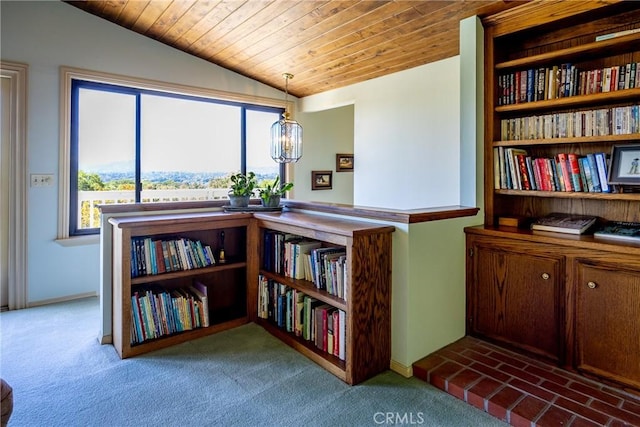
x=233, y=285
x=368, y=306
x=226, y=282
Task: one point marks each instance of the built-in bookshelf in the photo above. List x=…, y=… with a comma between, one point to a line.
x=560, y=98
x=324, y=288
x=170, y=282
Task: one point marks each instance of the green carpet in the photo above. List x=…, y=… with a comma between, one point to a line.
x=62, y=376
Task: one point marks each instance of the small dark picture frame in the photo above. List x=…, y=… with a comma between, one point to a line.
x=625, y=165
x=321, y=180
x=344, y=162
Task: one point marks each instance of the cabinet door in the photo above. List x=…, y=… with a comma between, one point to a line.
x=608, y=321
x=516, y=299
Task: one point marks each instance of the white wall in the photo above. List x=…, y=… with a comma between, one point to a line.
x=326, y=133
x=435, y=143
x=46, y=35
x=407, y=130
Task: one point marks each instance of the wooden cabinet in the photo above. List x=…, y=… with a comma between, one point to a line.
x=515, y=295
x=226, y=282
x=575, y=303
x=368, y=306
x=608, y=319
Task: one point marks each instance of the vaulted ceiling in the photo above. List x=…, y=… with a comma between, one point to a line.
x=325, y=44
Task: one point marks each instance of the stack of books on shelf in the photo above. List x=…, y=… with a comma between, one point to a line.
x=616, y=230
x=157, y=311
x=309, y=319
x=300, y=258
x=564, y=223
x=514, y=169
x=150, y=257
x=564, y=80
x=623, y=120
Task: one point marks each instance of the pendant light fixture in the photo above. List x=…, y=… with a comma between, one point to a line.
x=286, y=134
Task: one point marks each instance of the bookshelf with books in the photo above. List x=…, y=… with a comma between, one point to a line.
x=560, y=93
x=324, y=288
x=170, y=284
x=548, y=149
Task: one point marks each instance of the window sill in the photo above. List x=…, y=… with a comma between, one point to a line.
x=93, y=239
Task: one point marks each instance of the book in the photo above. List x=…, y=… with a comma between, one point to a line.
x=342, y=330
x=564, y=223
x=601, y=163
x=627, y=231
x=514, y=168
x=617, y=34
x=574, y=172
x=199, y=289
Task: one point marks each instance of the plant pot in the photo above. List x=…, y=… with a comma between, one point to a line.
x=239, y=201
x=271, y=202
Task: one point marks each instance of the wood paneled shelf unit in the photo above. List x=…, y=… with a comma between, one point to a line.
x=558, y=296
x=232, y=287
x=366, y=310
x=225, y=283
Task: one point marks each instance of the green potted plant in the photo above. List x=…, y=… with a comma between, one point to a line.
x=271, y=193
x=241, y=189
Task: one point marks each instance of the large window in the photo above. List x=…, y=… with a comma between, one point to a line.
x=130, y=145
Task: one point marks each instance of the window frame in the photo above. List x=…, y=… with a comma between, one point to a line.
x=67, y=191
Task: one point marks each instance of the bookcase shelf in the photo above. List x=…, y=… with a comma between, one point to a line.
x=225, y=283
x=329, y=362
x=308, y=288
x=367, y=308
x=556, y=295
x=594, y=99
x=608, y=47
x=618, y=139
x=571, y=195
x=152, y=278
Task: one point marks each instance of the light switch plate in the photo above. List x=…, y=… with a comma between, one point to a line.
x=41, y=180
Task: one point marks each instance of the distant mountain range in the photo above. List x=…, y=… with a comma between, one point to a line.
x=123, y=170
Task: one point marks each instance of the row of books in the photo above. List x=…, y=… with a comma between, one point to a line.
x=304, y=316
x=515, y=169
x=579, y=224
x=599, y=122
x=300, y=258
x=564, y=80
x=157, y=311
x=161, y=256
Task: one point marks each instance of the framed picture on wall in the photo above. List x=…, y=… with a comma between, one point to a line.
x=344, y=162
x=625, y=165
x=321, y=180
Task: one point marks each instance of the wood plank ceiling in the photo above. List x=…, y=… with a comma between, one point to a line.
x=325, y=44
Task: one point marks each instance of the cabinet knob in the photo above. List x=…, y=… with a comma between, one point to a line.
x=545, y=276
x=592, y=285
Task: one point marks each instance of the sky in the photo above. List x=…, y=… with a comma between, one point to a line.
x=177, y=135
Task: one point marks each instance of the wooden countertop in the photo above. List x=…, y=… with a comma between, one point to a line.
x=405, y=216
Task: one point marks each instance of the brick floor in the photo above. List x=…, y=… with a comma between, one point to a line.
x=525, y=392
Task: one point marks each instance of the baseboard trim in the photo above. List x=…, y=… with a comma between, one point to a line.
x=62, y=299
x=399, y=368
